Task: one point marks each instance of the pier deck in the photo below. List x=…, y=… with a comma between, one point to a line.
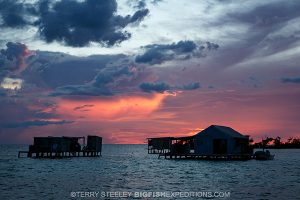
x=192, y=156
x=28, y=154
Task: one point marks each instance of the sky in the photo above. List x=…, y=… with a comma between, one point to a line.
x=127, y=70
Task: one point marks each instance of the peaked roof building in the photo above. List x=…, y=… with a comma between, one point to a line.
x=222, y=130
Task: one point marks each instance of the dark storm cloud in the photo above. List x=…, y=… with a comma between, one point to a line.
x=291, y=80
x=14, y=50
x=159, y=53
x=73, y=23
x=12, y=13
x=49, y=68
x=162, y=87
x=27, y=124
x=110, y=74
x=96, y=75
x=79, y=23
x=86, y=90
x=139, y=15
x=211, y=46
x=156, y=87
x=12, y=57
x=100, y=86
x=191, y=86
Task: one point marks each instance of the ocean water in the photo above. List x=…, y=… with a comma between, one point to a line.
x=128, y=168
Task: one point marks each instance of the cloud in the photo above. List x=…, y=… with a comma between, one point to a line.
x=156, y=87
x=13, y=13
x=211, y=46
x=83, y=107
x=291, y=80
x=78, y=23
x=119, y=107
x=2, y=92
x=191, y=86
x=267, y=14
x=102, y=85
x=270, y=28
x=48, y=69
x=162, y=87
x=26, y=124
x=156, y=1
x=140, y=4
x=111, y=74
x=182, y=50
x=73, y=23
x=13, y=57
x=87, y=90
x=139, y=15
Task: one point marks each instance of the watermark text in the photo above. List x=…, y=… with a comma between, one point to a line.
x=150, y=194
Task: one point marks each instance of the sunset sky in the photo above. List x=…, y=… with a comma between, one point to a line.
x=131, y=69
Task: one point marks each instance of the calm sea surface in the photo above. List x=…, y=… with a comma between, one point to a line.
x=128, y=168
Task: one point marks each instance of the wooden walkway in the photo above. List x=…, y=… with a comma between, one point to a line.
x=24, y=154
x=192, y=156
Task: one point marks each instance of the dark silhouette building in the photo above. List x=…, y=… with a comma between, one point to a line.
x=55, y=147
x=214, y=141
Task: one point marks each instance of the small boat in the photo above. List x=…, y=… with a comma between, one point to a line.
x=263, y=155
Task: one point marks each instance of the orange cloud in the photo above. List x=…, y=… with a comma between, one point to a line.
x=109, y=108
